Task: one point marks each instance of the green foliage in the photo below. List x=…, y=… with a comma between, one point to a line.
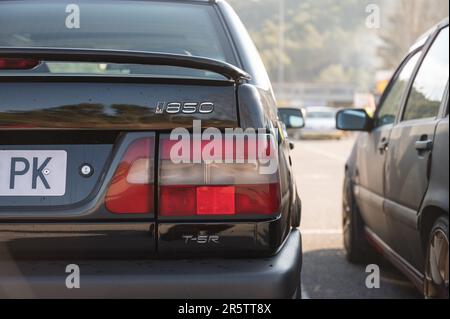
x=325, y=40
x=408, y=20
x=328, y=40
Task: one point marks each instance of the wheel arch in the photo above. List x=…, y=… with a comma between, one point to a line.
x=427, y=218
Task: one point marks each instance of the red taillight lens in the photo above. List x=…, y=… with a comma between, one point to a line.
x=131, y=190
x=216, y=200
x=17, y=64
x=261, y=199
x=178, y=200
x=226, y=184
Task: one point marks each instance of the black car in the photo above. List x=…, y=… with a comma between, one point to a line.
x=396, y=194
x=90, y=96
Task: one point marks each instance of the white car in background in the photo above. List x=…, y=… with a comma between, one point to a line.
x=320, y=123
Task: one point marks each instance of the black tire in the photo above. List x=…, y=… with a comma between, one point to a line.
x=356, y=246
x=436, y=261
x=296, y=213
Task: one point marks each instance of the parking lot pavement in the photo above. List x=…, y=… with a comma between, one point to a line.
x=319, y=170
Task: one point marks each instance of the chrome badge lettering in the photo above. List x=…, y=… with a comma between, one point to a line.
x=201, y=239
x=184, y=108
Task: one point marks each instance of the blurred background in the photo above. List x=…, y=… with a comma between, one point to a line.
x=338, y=53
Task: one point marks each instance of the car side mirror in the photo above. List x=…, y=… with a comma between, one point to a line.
x=292, y=118
x=353, y=120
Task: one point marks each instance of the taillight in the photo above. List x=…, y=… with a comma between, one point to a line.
x=17, y=64
x=231, y=182
x=131, y=190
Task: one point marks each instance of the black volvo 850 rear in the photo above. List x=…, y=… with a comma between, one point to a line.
x=142, y=153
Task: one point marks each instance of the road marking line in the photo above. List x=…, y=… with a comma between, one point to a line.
x=321, y=231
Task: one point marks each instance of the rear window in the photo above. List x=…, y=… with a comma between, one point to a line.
x=163, y=27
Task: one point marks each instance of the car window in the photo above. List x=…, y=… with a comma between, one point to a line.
x=119, y=25
x=431, y=81
x=391, y=103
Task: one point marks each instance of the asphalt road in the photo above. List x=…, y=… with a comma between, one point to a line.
x=319, y=168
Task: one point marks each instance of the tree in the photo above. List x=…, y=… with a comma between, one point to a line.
x=325, y=40
x=408, y=20
x=329, y=41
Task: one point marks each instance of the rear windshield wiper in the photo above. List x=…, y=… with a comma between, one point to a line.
x=127, y=57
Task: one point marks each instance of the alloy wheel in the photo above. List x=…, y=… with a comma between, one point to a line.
x=436, y=272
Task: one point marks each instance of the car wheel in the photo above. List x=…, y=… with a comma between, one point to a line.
x=357, y=248
x=436, y=262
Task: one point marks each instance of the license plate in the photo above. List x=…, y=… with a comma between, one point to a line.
x=33, y=173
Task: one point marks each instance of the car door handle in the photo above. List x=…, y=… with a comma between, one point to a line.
x=291, y=145
x=383, y=145
x=424, y=145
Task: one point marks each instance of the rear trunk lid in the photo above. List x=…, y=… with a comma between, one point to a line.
x=89, y=126
x=80, y=125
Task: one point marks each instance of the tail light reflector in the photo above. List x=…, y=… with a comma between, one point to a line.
x=216, y=200
x=227, y=184
x=131, y=190
x=17, y=64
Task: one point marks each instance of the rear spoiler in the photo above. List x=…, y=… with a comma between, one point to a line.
x=127, y=57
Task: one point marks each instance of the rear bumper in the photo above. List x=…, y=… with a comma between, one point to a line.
x=263, y=278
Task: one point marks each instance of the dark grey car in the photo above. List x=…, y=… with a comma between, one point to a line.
x=396, y=194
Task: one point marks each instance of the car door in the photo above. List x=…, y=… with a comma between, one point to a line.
x=369, y=186
x=410, y=149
